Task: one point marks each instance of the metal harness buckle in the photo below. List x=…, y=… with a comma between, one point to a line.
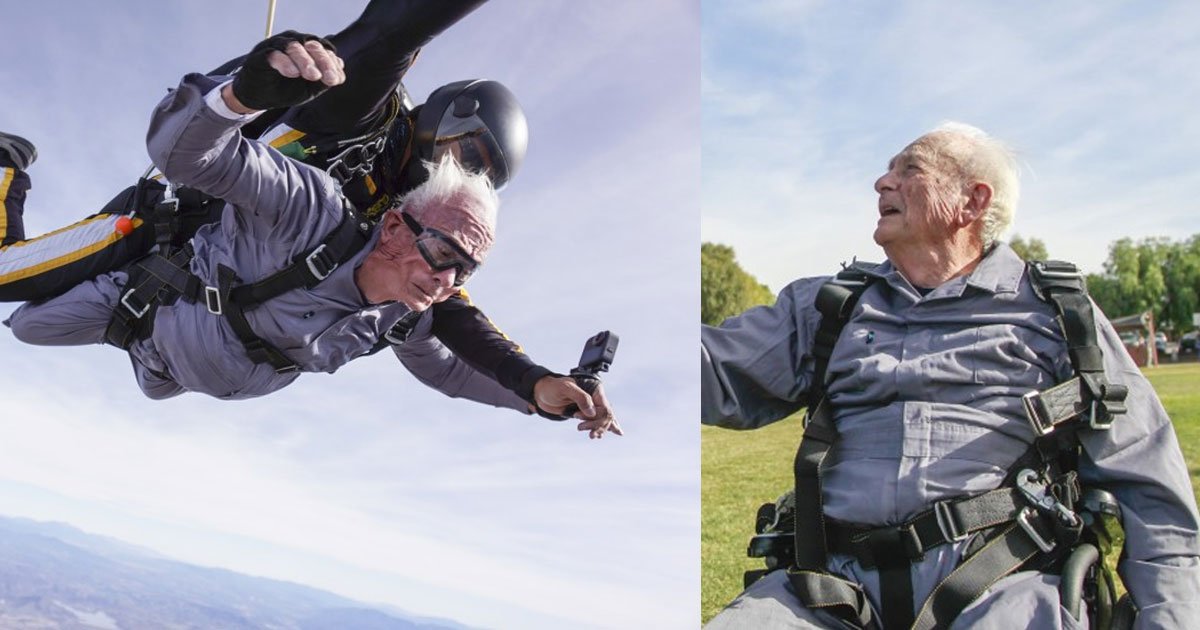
x=1037, y=413
x=1061, y=273
x=312, y=260
x=356, y=159
x=1023, y=520
x=212, y=300
x=945, y=522
x=137, y=312
x=1039, y=496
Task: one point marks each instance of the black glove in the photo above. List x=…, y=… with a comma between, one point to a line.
x=259, y=86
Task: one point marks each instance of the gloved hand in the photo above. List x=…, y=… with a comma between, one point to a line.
x=304, y=71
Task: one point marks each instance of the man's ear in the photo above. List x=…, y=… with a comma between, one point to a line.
x=979, y=198
x=390, y=228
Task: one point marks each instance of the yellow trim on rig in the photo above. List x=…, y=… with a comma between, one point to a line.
x=287, y=138
x=69, y=257
x=5, y=184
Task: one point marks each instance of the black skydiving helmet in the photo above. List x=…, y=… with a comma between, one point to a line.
x=477, y=121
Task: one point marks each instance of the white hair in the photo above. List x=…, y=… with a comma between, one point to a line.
x=450, y=181
x=462, y=200
x=982, y=158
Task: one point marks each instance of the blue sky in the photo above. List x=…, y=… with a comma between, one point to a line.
x=805, y=101
x=364, y=482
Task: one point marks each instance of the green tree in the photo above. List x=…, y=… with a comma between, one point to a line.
x=1151, y=274
x=1033, y=249
x=725, y=288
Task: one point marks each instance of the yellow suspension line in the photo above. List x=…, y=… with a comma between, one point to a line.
x=270, y=17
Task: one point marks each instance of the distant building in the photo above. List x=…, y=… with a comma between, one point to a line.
x=1137, y=333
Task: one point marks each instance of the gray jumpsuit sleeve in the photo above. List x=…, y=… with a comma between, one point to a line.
x=1139, y=461
x=756, y=368
x=277, y=199
x=436, y=366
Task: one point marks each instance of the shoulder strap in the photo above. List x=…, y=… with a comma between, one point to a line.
x=814, y=586
x=1062, y=285
x=311, y=266
x=835, y=301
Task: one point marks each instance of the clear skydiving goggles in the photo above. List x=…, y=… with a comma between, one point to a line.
x=463, y=134
x=440, y=251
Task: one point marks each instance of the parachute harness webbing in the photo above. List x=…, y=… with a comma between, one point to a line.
x=815, y=587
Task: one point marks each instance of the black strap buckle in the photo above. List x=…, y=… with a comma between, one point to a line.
x=403, y=328
x=1098, y=419
x=1107, y=403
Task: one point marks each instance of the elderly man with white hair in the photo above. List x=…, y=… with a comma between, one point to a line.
x=971, y=418
x=290, y=280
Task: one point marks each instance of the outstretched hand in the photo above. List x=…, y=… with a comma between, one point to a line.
x=553, y=394
x=285, y=70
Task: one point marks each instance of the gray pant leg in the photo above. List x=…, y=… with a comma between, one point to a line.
x=1022, y=600
x=75, y=318
x=770, y=603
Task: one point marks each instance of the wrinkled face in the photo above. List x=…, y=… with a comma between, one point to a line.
x=920, y=196
x=397, y=271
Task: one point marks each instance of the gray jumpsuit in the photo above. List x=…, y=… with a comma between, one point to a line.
x=927, y=396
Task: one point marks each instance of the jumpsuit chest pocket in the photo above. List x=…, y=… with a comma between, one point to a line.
x=879, y=362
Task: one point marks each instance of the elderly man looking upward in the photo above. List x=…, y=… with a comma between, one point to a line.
x=927, y=495
x=224, y=316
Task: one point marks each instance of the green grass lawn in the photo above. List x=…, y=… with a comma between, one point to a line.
x=741, y=470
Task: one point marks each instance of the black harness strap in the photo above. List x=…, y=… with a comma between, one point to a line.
x=310, y=267
x=152, y=279
x=969, y=580
x=156, y=279
x=814, y=585
x=1061, y=284
x=399, y=332
x=258, y=349
x=947, y=522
